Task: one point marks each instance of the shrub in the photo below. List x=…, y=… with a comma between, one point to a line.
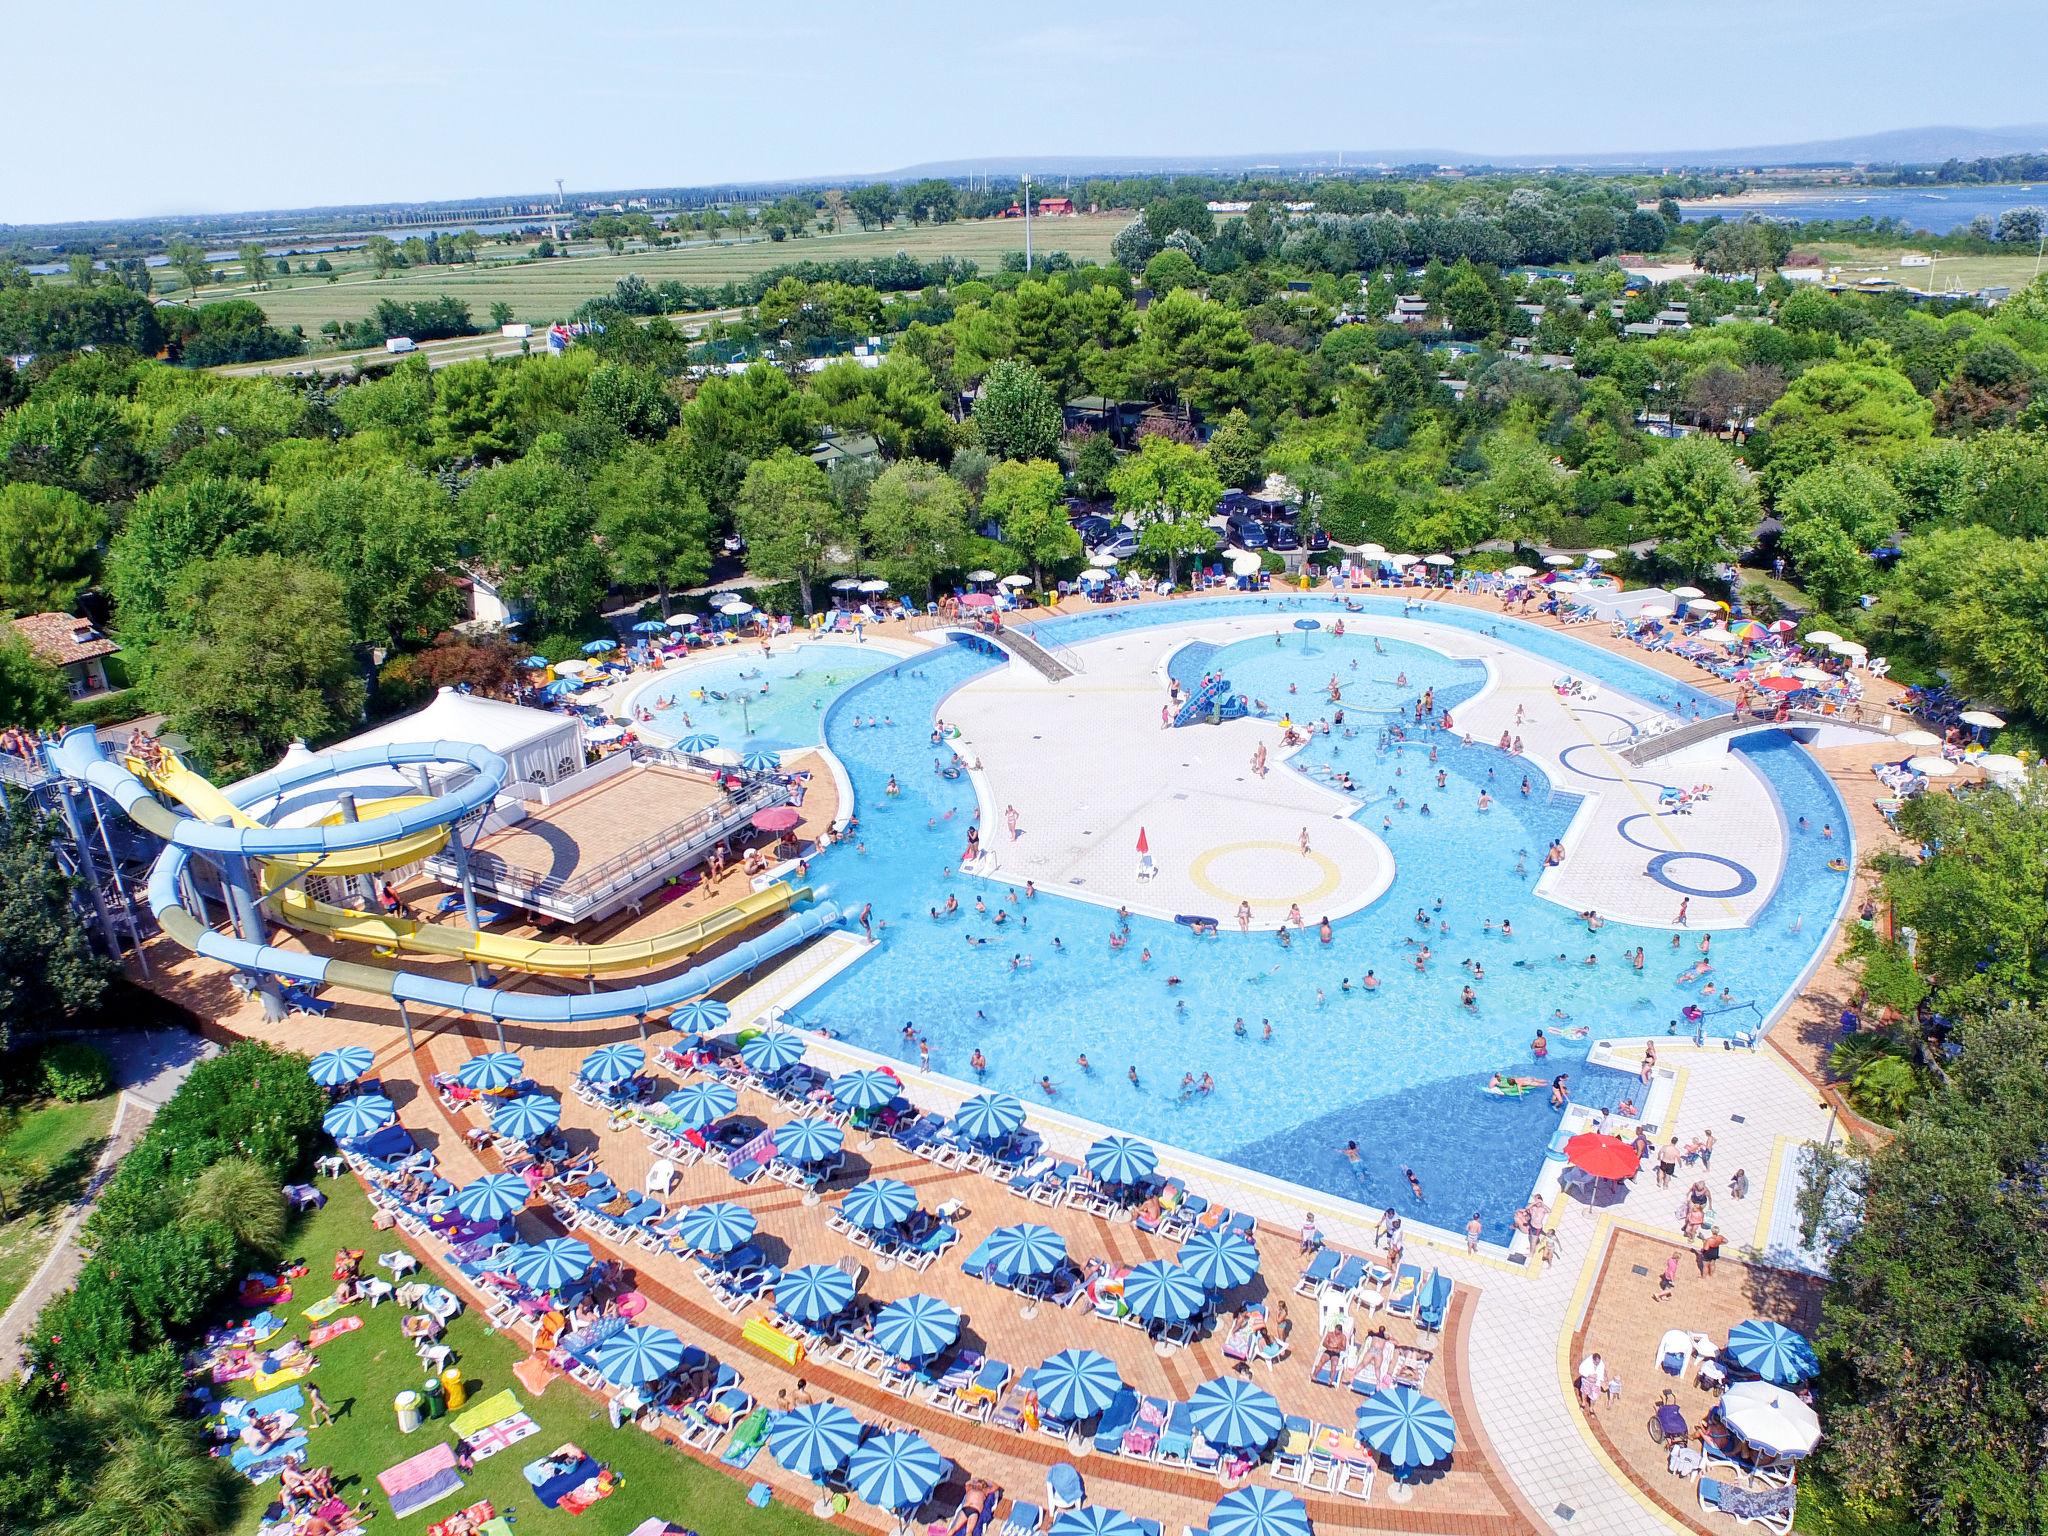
x=73, y=1070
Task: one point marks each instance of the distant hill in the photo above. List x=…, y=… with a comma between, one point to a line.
x=1911, y=145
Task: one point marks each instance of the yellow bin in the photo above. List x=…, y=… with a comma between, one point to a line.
x=454, y=1388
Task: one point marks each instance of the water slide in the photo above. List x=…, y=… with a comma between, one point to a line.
x=203, y=799
x=398, y=830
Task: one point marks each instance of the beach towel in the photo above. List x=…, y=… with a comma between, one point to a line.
x=323, y=1309
x=506, y=1433
x=263, y=1471
x=485, y=1412
x=334, y=1330
x=265, y=1381
x=245, y=1460
x=585, y=1494
x=420, y=1480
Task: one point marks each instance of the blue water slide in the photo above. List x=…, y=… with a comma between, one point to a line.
x=80, y=756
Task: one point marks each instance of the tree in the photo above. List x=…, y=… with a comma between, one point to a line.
x=875, y=205
x=1195, y=349
x=153, y=1477
x=241, y=1195
x=49, y=545
x=232, y=331
x=1237, y=452
x=1025, y=497
x=255, y=263
x=928, y=201
x=536, y=533
x=390, y=536
x=1169, y=487
x=1172, y=269
x=789, y=519
x=167, y=530
x=472, y=418
x=258, y=654
x=32, y=691
x=734, y=421
x=189, y=258
x=1834, y=515
x=501, y=313
x=48, y=318
x=1469, y=304
x=1934, y=1408
x=655, y=526
x=382, y=252
x=1857, y=404
x=1697, y=505
x=915, y=524
x=1993, y=634
x=50, y=975
x=1016, y=415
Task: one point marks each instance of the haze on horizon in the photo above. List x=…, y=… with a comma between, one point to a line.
x=240, y=106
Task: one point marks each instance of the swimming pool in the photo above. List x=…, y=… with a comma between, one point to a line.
x=742, y=697
x=1399, y=1070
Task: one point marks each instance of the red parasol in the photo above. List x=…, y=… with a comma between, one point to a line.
x=778, y=818
x=1780, y=684
x=1143, y=846
x=977, y=600
x=1605, y=1157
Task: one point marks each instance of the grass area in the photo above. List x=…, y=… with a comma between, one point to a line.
x=543, y=291
x=60, y=1143
x=361, y=1372
x=1961, y=273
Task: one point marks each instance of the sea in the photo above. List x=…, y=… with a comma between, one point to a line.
x=1937, y=210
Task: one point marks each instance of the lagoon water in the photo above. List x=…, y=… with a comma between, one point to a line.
x=1935, y=209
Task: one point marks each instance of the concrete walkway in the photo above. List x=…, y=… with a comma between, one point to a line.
x=149, y=1066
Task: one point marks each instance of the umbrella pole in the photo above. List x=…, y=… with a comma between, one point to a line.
x=405, y=1018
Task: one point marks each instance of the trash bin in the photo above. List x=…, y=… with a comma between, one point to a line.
x=408, y=1406
x=454, y=1388
x=431, y=1404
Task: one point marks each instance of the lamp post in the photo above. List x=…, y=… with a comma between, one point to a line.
x=1025, y=180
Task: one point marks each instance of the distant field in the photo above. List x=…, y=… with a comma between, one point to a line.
x=1949, y=272
x=543, y=291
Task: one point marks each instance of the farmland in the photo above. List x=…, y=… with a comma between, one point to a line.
x=1948, y=274
x=542, y=291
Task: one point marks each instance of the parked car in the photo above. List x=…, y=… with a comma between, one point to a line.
x=1247, y=532
x=1092, y=528
x=1120, y=545
x=1281, y=536
x=1317, y=539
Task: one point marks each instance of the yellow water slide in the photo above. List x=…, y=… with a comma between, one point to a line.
x=200, y=796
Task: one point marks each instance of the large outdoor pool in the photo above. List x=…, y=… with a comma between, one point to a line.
x=1399, y=1070
x=743, y=698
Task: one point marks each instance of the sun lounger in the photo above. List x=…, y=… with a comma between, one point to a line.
x=1407, y=1290
x=1116, y=1418
x=1772, y=1508
x=1177, y=1439
x=1321, y=1269
x=1142, y=1438
x=1063, y=1488
x=1023, y=1520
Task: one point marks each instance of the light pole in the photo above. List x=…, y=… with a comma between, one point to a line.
x=1025, y=180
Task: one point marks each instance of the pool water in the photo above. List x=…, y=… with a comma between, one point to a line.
x=741, y=696
x=1400, y=1069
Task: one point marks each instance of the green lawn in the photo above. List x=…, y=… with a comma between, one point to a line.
x=1948, y=272
x=361, y=1372
x=60, y=1142
x=542, y=291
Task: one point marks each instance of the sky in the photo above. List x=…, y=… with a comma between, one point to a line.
x=124, y=108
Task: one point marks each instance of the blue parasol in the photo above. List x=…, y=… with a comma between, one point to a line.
x=696, y=1105
x=878, y=1203
x=895, y=1470
x=1773, y=1351
x=1220, y=1258
x=359, y=1116
x=1160, y=1291
x=1025, y=1249
x=1076, y=1383
x=808, y=1141
x=813, y=1440
x=491, y=1071
x=343, y=1064
x=1259, y=1511
x=1095, y=1520
x=1121, y=1160
x=866, y=1088
x=773, y=1051
x=811, y=1293
x=1410, y=1430
x=703, y=1015
x=528, y=1116
x=492, y=1197
x=636, y=1355
x=651, y=627
x=546, y=1266
x=916, y=1328
x=718, y=1227
x=534, y=663
x=698, y=741
x=760, y=760
x=990, y=1116
x=612, y=1063
x=1229, y=1410
x=599, y=647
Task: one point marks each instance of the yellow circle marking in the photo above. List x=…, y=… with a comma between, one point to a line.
x=1198, y=872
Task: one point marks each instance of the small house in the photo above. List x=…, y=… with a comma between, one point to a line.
x=71, y=645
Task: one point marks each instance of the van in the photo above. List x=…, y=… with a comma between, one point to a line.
x=400, y=344
x=1247, y=532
